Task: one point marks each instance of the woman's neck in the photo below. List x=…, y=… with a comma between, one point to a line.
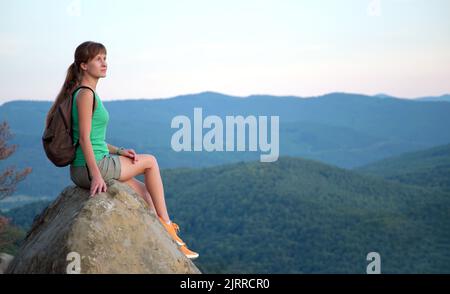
x=89, y=81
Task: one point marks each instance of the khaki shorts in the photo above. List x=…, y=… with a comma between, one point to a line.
x=109, y=167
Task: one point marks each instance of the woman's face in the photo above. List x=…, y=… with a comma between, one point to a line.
x=97, y=66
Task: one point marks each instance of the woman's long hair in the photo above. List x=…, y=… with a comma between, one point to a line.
x=83, y=54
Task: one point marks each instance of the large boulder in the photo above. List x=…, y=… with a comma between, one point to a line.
x=112, y=232
x=5, y=260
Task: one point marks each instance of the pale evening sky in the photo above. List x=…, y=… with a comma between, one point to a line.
x=159, y=49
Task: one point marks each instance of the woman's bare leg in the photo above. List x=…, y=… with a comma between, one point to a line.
x=147, y=165
x=140, y=188
x=154, y=184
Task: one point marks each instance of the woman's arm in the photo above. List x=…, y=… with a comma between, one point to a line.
x=84, y=105
x=123, y=152
x=112, y=149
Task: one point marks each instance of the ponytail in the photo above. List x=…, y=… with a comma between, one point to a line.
x=84, y=52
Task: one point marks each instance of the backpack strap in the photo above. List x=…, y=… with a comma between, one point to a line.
x=93, y=93
x=93, y=107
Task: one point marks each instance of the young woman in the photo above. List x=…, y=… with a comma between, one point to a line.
x=95, y=160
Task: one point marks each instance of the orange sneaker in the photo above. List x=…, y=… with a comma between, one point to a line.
x=189, y=253
x=173, y=228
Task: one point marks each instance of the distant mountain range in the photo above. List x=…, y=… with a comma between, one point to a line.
x=445, y=97
x=345, y=130
x=438, y=98
x=357, y=174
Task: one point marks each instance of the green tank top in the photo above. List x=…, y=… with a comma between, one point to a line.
x=98, y=131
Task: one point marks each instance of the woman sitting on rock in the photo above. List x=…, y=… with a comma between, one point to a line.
x=95, y=160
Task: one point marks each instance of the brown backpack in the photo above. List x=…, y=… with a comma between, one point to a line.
x=58, y=135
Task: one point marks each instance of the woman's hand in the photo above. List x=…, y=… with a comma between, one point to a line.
x=97, y=185
x=129, y=153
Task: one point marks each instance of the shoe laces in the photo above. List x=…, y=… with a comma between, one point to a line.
x=176, y=227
